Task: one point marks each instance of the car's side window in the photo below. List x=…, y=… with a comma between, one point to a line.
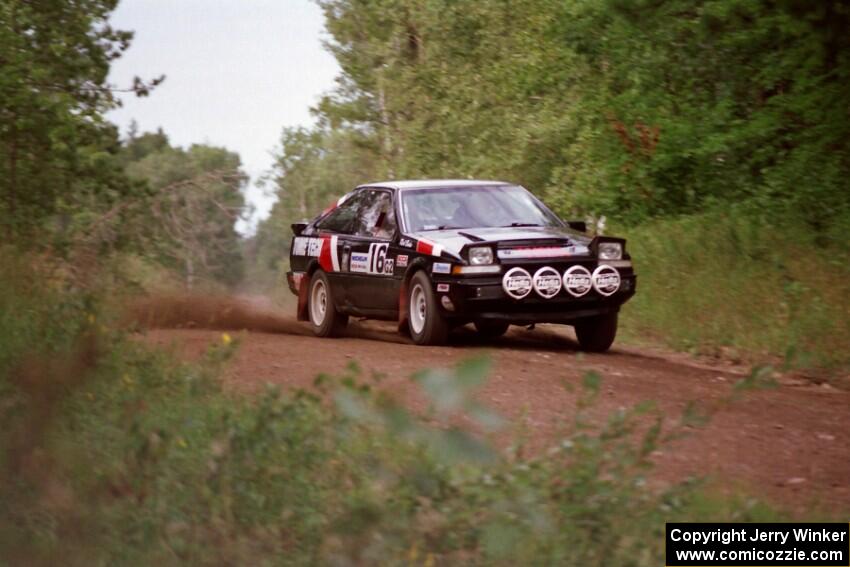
x=343, y=219
x=377, y=215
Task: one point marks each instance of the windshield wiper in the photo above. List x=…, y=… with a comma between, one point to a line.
x=518, y=224
x=447, y=227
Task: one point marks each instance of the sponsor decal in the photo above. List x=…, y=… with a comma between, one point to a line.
x=374, y=262
x=378, y=258
x=547, y=282
x=405, y=242
x=401, y=260
x=443, y=287
x=442, y=268
x=324, y=248
x=299, y=246
x=297, y=278
x=517, y=283
x=577, y=281
x=606, y=280
x=314, y=247
x=304, y=246
x=359, y=262
x=543, y=252
x=427, y=247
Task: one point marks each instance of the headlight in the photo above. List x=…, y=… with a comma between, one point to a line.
x=610, y=250
x=480, y=255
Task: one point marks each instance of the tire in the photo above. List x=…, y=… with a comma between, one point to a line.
x=491, y=329
x=596, y=334
x=427, y=325
x=325, y=320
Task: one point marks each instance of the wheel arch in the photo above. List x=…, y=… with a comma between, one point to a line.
x=418, y=265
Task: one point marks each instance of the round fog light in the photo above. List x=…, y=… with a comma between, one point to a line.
x=447, y=303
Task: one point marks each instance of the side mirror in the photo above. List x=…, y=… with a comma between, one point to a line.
x=578, y=225
x=298, y=227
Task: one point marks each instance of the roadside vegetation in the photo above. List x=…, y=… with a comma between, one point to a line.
x=112, y=453
x=744, y=288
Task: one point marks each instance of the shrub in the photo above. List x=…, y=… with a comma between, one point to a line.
x=113, y=453
x=728, y=281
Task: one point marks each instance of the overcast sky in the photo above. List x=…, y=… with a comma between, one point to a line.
x=237, y=72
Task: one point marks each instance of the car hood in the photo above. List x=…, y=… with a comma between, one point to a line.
x=453, y=240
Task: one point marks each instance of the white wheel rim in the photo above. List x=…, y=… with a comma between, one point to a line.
x=418, y=308
x=318, y=303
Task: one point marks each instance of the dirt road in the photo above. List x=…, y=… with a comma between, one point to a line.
x=790, y=444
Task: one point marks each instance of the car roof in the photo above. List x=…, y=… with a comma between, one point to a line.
x=432, y=183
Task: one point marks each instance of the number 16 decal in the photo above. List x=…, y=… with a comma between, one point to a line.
x=378, y=258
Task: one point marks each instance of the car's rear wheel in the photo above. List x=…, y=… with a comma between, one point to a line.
x=491, y=329
x=325, y=320
x=597, y=334
x=427, y=325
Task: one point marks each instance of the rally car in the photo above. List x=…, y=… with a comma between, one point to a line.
x=434, y=255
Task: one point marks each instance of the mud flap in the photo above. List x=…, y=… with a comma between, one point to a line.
x=303, y=293
x=402, y=308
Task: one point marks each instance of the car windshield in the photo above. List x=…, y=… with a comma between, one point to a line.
x=473, y=207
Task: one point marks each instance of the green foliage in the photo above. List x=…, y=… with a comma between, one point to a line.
x=113, y=453
x=68, y=185
x=746, y=286
x=629, y=110
x=713, y=101
x=194, y=197
x=57, y=153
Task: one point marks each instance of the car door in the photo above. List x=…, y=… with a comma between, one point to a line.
x=372, y=281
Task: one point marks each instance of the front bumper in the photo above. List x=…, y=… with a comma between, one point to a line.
x=483, y=298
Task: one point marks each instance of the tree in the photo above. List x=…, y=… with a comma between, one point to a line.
x=187, y=221
x=56, y=149
x=634, y=109
x=312, y=169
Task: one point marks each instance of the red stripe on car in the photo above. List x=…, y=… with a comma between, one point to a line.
x=424, y=247
x=325, y=255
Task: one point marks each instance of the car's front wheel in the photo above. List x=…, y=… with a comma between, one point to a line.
x=427, y=325
x=596, y=334
x=325, y=320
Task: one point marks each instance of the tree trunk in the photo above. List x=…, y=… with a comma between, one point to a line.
x=190, y=273
x=385, y=119
x=12, y=197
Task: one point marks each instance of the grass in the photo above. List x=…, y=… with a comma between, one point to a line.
x=111, y=453
x=729, y=285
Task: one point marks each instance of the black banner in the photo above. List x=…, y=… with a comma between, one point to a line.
x=758, y=545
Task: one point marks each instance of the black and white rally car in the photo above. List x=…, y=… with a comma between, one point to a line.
x=438, y=254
